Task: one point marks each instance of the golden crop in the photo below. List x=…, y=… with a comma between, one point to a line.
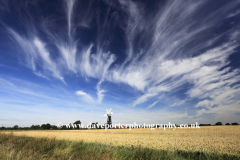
x=218, y=139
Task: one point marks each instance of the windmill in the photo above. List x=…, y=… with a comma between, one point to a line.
x=109, y=120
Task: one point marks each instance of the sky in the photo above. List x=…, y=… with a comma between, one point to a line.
x=151, y=61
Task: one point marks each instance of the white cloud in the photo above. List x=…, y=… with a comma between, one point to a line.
x=69, y=10
x=171, y=74
x=204, y=103
x=85, y=96
x=100, y=92
x=179, y=103
x=150, y=106
x=225, y=99
x=48, y=64
x=68, y=53
x=33, y=50
x=181, y=115
x=143, y=98
x=169, y=52
x=28, y=48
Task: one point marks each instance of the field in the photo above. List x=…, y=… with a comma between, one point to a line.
x=215, y=140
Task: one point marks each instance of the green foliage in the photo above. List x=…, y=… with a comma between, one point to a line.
x=235, y=123
x=35, y=127
x=64, y=127
x=16, y=127
x=2, y=128
x=77, y=123
x=219, y=123
x=95, y=125
x=43, y=126
x=46, y=126
x=227, y=124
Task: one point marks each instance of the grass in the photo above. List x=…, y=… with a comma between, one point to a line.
x=210, y=139
x=23, y=147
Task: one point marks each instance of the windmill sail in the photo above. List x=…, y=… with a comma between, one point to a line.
x=109, y=118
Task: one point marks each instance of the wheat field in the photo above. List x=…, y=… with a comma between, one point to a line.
x=217, y=139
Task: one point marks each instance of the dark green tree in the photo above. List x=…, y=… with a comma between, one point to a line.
x=70, y=126
x=235, y=123
x=93, y=125
x=77, y=124
x=48, y=126
x=219, y=123
x=64, y=127
x=16, y=127
x=2, y=128
x=35, y=127
x=54, y=127
x=227, y=124
x=44, y=126
x=97, y=125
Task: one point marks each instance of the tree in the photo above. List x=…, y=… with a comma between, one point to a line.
x=97, y=125
x=48, y=126
x=54, y=127
x=70, y=126
x=64, y=127
x=44, y=126
x=219, y=123
x=16, y=127
x=93, y=125
x=205, y=125
x=35, y=127
x=227, y=124
x=235, y=123
x=2, y=128
x=77, y=124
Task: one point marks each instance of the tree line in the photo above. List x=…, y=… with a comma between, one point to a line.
x=219, y=124
x=77, y=124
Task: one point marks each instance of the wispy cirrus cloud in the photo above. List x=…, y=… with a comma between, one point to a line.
x=36, y=51
x=165, y=48
x=48, y=63
x=69, y=10
x=150, y=106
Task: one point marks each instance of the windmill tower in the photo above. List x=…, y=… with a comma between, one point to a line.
x=109, y=119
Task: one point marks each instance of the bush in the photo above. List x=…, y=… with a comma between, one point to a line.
x=235, y=123
x=219, y=123
x=227, y=124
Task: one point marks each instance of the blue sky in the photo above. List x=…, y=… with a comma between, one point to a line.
x=150, y=61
